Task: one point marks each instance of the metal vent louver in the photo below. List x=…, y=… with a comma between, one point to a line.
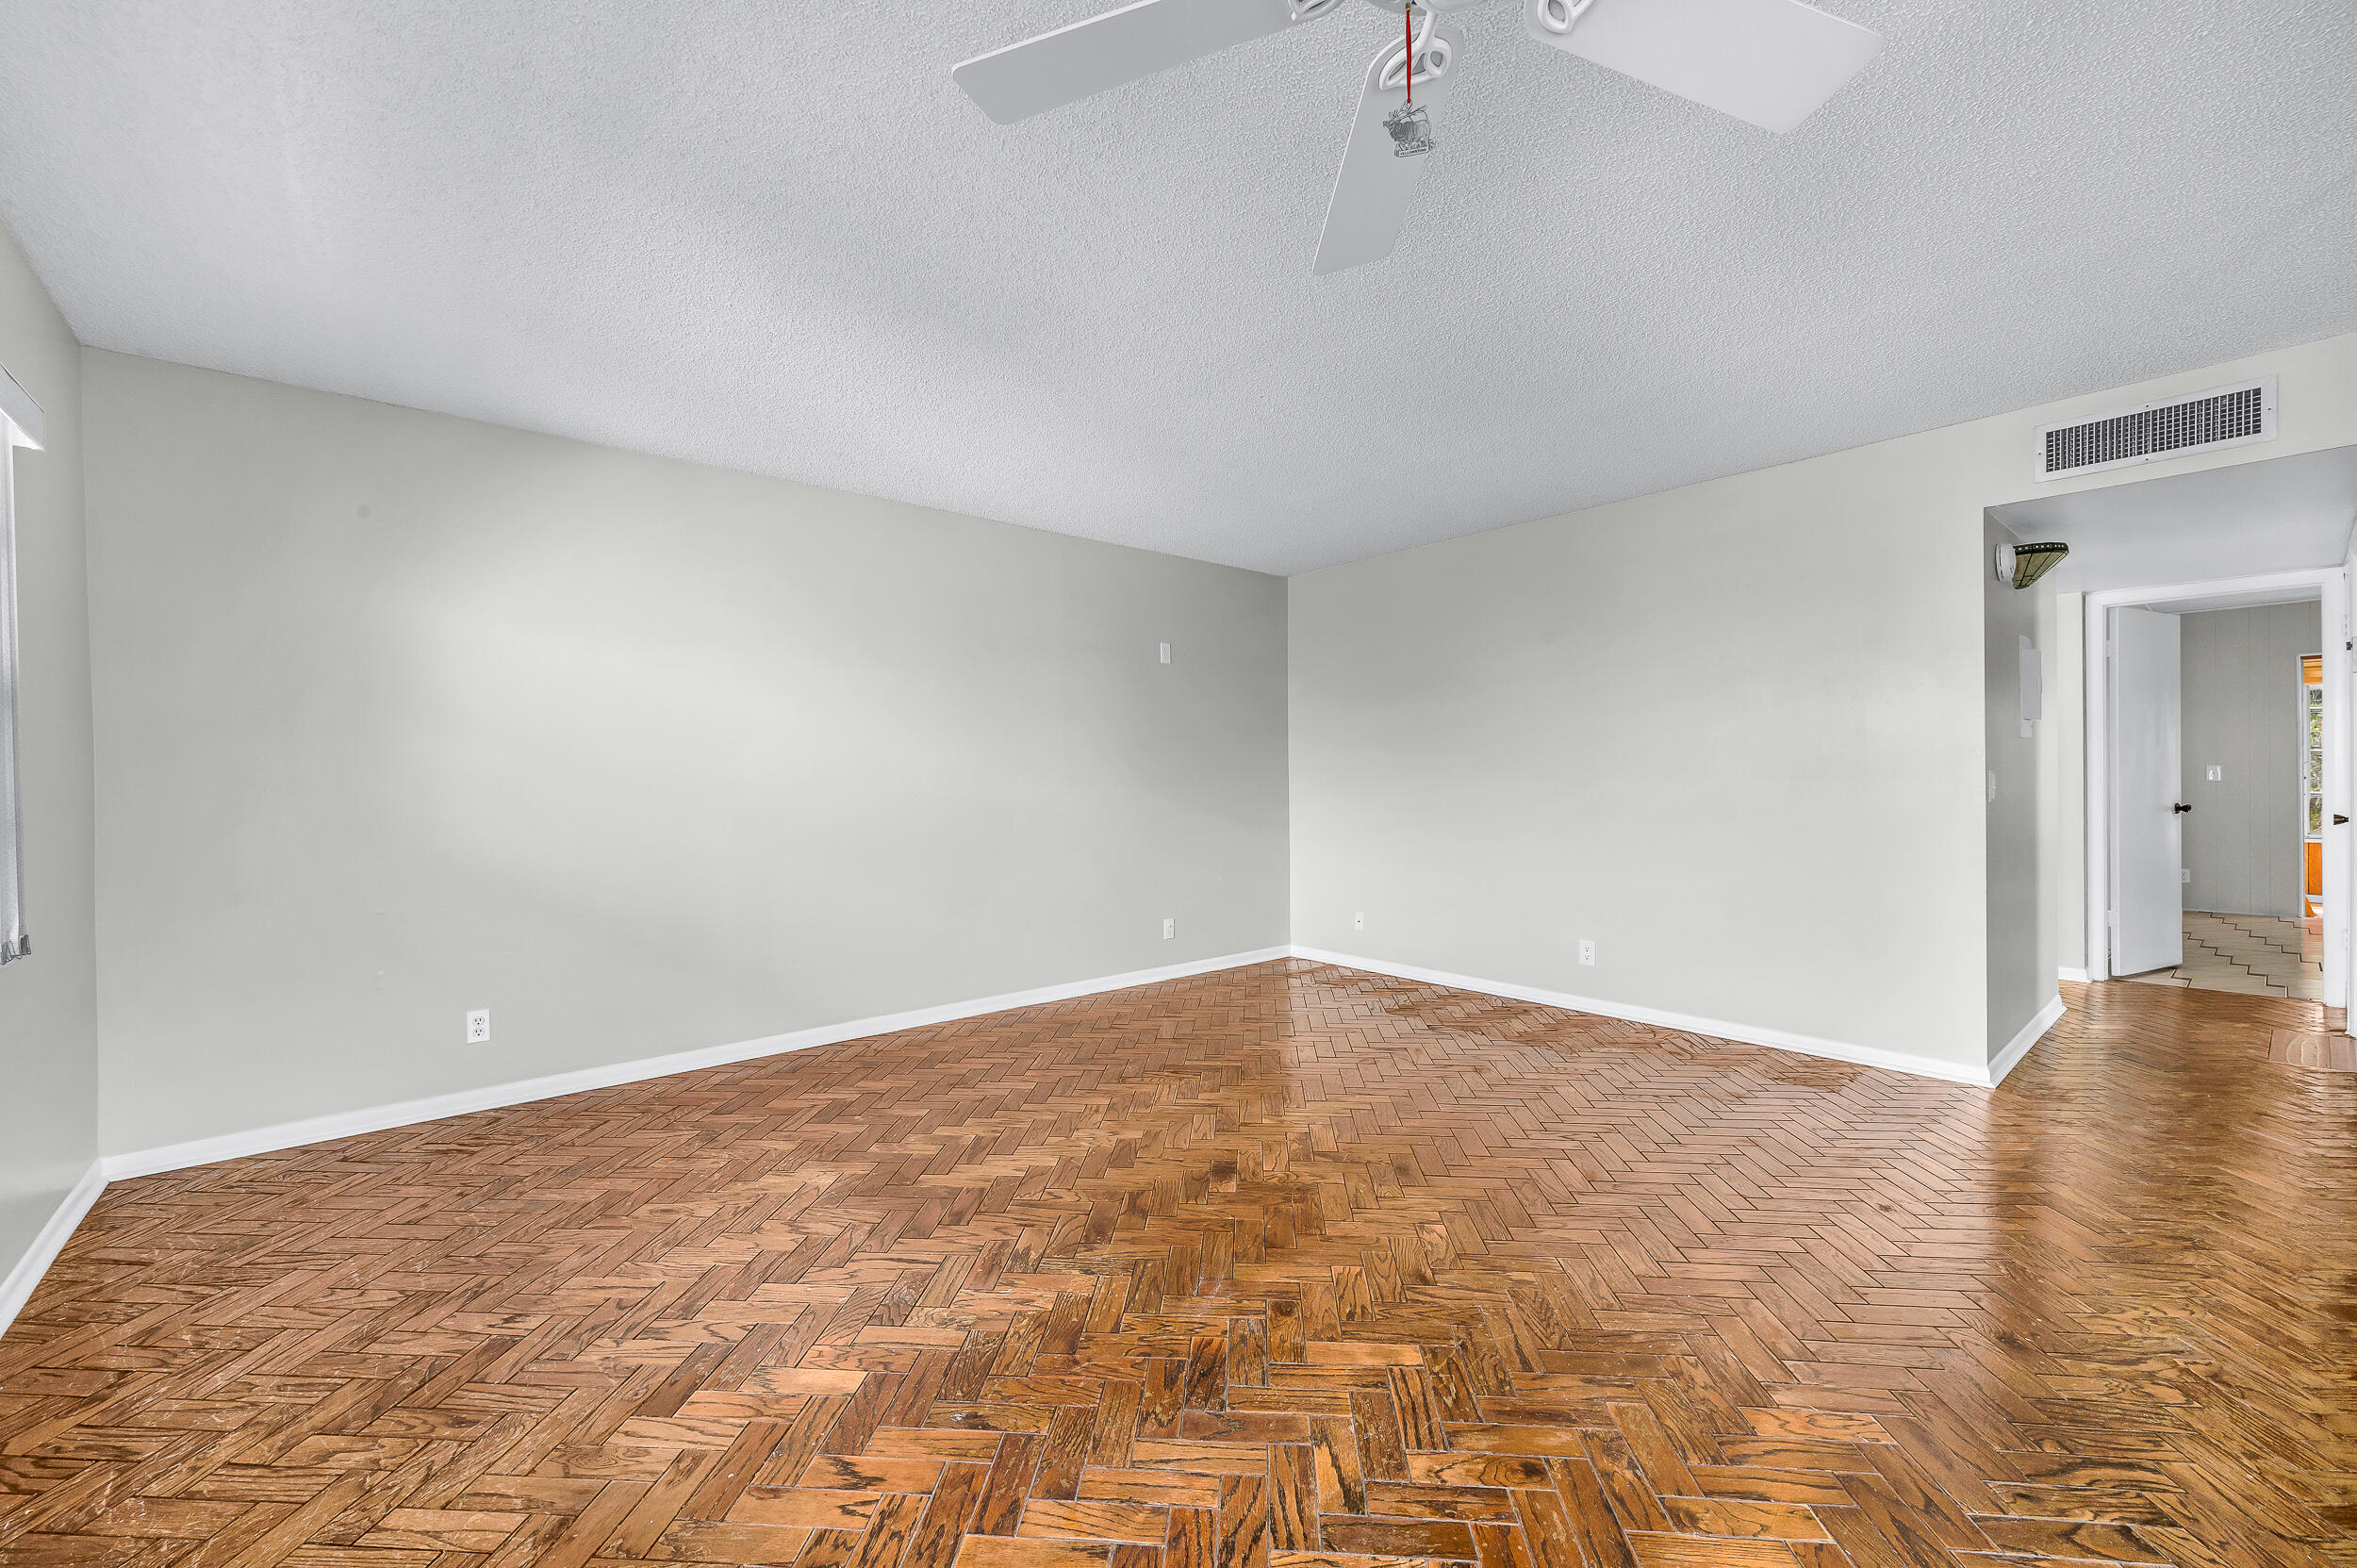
x=2229, y=416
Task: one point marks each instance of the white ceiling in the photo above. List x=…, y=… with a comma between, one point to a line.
x=2280, y=514
x=777, y=238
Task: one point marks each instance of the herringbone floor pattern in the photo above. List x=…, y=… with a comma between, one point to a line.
x=1281, y=1268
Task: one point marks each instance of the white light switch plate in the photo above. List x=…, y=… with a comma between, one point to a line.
x=2216, y=772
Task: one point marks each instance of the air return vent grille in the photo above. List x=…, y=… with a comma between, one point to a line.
x=2227, y=417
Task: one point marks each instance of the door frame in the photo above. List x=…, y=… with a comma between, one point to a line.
x=2331, y=584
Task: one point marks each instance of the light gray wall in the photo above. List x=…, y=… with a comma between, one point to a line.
x=2242, y=714
x=2020, y=909
x=1737, y=733
x=403, y=715
x=48, y=1002
x=1732, y=733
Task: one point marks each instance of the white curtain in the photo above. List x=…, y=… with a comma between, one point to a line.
x=14, y=944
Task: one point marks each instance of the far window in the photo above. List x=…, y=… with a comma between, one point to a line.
x=2312, y=782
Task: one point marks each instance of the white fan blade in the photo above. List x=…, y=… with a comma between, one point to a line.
x=1771, y=62
x=1372, y=192
x=1085, y=59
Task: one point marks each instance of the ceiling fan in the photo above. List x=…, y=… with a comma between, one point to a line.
x=1771, y=63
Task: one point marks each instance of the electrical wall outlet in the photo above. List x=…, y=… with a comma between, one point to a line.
x=2184, y=874
x=1587, y=951
x=1170, y=929
x=1166, y=653
x=1358, y=920
x=479, y=1027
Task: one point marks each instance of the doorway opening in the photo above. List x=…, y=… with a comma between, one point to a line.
x=2235, y=535
x=2215, y=758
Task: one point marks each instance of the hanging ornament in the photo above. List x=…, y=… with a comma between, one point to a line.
x=1410, y=127
x=1411, y=131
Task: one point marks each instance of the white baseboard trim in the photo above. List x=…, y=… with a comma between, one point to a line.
x=1750, y=1034
x=376, y=1119
x=2019, y=1047
x=264, y=1139
x=18, y=1287
x=2079, y=975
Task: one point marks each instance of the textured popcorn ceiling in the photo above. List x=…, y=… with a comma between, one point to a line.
x=777, y=238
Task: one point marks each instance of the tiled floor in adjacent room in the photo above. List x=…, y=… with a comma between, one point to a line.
x=2257, y=955
x=1287, y=1267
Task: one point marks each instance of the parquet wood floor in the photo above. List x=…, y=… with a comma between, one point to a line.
x=1289, y=1268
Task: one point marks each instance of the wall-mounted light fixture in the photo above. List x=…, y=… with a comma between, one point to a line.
x=2022, y=564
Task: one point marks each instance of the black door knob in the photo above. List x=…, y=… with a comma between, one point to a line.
x=2339, y=820
x=2181, y=806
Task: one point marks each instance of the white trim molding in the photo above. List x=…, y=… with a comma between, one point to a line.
x=2019, y=1047
x=1750, y=1034
x=28, y=1269
x=376, y=1119
x=2078, y=975
x=18, y=1287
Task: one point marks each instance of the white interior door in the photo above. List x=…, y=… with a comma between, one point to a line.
x=2147, y=835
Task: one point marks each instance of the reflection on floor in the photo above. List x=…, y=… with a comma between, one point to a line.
x=2324, y=1049
x=2256, y=954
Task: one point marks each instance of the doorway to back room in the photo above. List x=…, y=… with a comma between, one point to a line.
x=2200, y=625
x=2249, y=802
x=2213, y=747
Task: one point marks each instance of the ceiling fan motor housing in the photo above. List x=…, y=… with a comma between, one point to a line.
x=1768, y=62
